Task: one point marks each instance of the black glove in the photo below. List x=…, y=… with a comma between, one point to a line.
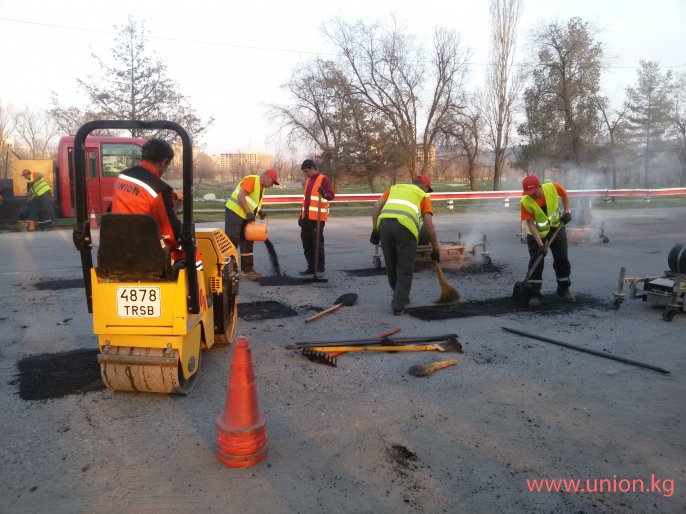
x=435, y=255
x=250, y=217
x=542, y=250
x=375, y=238
x=300, y=221
x=566, y=217
x=261, y=214
x=322, y=193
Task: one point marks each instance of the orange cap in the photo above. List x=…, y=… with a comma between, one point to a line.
x=26, y=172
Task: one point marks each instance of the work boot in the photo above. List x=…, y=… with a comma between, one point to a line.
x=536, y=301
x=250, y=274
x=567, y=296
x=308, y=271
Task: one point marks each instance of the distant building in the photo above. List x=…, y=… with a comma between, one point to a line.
x=431, y=156
x=238, y=165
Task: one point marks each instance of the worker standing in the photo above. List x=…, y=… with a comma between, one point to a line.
x=241, y=208
x=313, y=215
x=39, y=206
x=141, y=190
x=396, y=221
x=542, y=213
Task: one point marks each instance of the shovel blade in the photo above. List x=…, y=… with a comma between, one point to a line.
x=522, y=292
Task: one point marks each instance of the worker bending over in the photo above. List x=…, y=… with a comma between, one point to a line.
x=39, y=206
x=396, y=222
x=541, y=210
x=244, y=203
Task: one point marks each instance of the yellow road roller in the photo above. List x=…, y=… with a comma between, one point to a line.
x=152, y=319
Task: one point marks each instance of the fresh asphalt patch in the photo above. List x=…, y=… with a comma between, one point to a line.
x=552, y=304
x=54, y=375
x=471, y=269
x=256, y=311
x=281, y=280
x=55, y=285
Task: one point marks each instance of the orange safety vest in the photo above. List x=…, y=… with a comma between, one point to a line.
x=319, y=207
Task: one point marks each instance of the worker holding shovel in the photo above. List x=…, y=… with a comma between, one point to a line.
x=540, y=209
x=395, y=222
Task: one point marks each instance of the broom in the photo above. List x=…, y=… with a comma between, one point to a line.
x=448, y=293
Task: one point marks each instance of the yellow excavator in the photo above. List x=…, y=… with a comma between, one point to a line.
x=152, y=319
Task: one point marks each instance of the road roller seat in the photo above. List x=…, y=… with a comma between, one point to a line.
x=132, y=248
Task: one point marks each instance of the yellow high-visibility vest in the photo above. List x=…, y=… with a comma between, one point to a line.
x=39, y=186
x=253, y=199
x=404, y=204
x=544, y=222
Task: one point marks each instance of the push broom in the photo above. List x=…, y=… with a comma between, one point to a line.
x=448, y=293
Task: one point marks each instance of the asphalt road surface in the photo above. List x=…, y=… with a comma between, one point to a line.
x=366, y=436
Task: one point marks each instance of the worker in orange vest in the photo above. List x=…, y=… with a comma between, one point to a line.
x=314, y=213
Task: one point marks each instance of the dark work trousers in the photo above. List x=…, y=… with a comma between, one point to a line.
x=561, y=264
x=308, y=235
x=234, y=226
x=40, y=209
x=399, y=251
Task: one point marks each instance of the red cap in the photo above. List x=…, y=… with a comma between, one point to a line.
x=425, y=179
x=272, y=174
x=529, y=184
x=26, y=172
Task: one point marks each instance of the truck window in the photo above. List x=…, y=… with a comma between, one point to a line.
x=116, y=157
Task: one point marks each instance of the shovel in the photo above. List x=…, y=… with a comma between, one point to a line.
x=523, y=291
x=346, y=299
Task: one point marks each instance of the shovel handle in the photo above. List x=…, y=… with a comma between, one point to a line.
x=324, y=313
x=540, y=255
x=416, y=348
x=442, y=364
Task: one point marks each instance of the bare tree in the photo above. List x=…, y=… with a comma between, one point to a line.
x=132, y=86
x=387, y=71
x=204, y=167
x=615, y=126
x=36, y=131
x=502, y=83
x=348, y=137
x=460, y=135
x=5, y=141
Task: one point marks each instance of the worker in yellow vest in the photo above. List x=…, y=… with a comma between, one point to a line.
x=241, y=208
x=396, y=221
x=39, y=206
x=313, y=216
x=542, y=213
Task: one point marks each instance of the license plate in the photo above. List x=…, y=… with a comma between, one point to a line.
x=139, y=302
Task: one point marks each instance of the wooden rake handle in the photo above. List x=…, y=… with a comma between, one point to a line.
x=324, y=313
x=415, y=348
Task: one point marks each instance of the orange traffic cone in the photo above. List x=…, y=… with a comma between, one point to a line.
x=93, y=220
x=241, y=434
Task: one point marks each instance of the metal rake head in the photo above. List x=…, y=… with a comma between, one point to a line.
x=320, y=357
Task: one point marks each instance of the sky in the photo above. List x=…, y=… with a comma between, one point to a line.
x=231, y=58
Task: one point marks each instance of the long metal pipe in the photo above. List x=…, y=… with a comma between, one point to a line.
x=585, y=350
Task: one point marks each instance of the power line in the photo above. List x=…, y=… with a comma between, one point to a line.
x=261, y=49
